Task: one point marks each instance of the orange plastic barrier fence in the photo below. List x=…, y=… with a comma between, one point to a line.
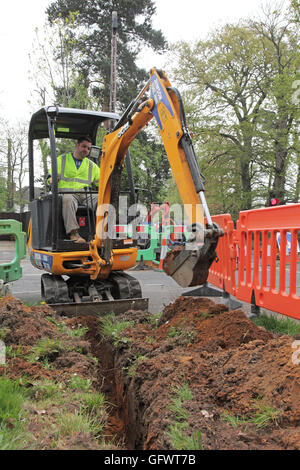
x=259, y=261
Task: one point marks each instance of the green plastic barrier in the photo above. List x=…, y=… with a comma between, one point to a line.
x=152, y=253
x=12, y=271
x=154, y=237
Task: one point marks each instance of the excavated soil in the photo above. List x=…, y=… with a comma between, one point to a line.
x=233, y=369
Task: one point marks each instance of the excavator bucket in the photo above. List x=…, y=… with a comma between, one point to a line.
x=190, y=267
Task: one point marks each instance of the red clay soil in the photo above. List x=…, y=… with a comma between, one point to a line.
x=24, y=327
x=233, y=369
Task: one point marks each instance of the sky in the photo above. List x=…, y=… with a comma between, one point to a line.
x=178, y=19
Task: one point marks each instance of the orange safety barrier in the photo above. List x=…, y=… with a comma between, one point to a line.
x=263, y=278
x=258, y=262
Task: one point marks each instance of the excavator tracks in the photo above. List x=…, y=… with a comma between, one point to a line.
x=81, y=296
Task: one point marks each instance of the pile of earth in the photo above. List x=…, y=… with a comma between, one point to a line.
x=244, y=387
x=40, y=350
x=23, y=327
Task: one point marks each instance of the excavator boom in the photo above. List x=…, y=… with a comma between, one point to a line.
x=189, y=265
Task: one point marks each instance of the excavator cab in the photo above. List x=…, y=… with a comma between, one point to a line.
x=48, y=231
x=49, y=247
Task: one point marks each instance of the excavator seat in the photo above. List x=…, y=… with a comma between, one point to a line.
x=41, y=215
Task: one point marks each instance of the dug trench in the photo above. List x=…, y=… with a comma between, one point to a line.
x=199, y=376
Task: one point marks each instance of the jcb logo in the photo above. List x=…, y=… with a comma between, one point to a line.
x=296, y=354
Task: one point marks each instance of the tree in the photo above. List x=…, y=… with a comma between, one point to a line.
x=226, y=77
x=239, y=89
x=56, y=79
x=53, y=67
x=91, y=39
x=280, y=39
x=14, y=157
x=71, y=71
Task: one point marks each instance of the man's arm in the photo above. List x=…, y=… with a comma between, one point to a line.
x=96, y=174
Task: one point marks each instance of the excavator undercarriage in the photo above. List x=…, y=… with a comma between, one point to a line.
x=80, y=295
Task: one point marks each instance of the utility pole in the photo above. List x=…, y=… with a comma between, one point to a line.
x=113, y=100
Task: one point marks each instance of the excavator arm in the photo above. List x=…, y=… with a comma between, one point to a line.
x=188, y=265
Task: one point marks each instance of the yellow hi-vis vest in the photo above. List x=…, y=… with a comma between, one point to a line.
x=72, y=179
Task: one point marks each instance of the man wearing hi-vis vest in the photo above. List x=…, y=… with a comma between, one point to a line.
x=76, y=172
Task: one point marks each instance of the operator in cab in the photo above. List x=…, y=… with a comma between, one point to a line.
x=76, y=172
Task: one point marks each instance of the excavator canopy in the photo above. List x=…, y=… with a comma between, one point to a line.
x=70, y=123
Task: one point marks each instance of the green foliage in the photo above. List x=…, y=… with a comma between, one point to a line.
x=154, y=319
x=112, y=328
x=54, y=402
x=183, y=393
x=78, y=383
x=11, y=399
x=173, y=332
x=13, y=351
x=3, y=189
x=262, y=415
x=131, y=370
x=45, y=389
x=73, y=332
x=181, y=441
x=91, y=401
x=234, y=421
x=13, y=166
x=3, y=332
x=12, y=430
x=265, y=415
x=47, y=349
x=71, y=423
x=177, y=432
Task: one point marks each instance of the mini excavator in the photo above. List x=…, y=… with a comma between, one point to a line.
x=94, y=275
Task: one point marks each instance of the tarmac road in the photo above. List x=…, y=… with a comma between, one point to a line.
x=160, y=289
x=157, y=286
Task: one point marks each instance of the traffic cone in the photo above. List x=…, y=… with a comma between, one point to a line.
x=163, y=253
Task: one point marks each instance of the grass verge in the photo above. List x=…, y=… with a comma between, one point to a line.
x=285, y=326
x=59, y=411
x=13, y=432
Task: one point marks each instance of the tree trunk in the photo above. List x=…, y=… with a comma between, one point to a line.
x=10, y=183
x=281, y=154
x=245, y=159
